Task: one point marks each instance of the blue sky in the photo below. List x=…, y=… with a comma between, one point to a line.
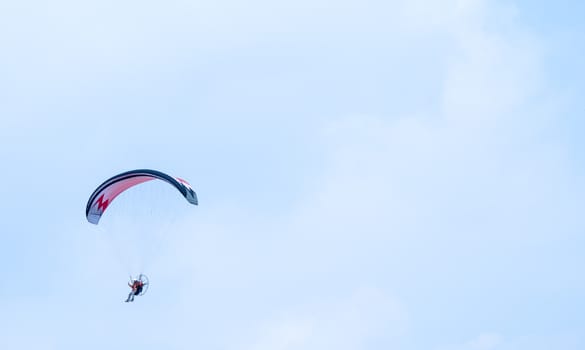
x=371, y=175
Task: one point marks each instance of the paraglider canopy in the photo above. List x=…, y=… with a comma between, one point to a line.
x=105, y=193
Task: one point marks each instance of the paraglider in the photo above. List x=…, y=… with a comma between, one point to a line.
x=138, y=286
x=105, y=194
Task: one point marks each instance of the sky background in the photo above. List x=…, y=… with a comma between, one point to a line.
x=371, y=174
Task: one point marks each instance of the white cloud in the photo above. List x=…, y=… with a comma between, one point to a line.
x=440, y=199
x=408, y=206
x=367, y=317
x=484, y=341
x=495, y=341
